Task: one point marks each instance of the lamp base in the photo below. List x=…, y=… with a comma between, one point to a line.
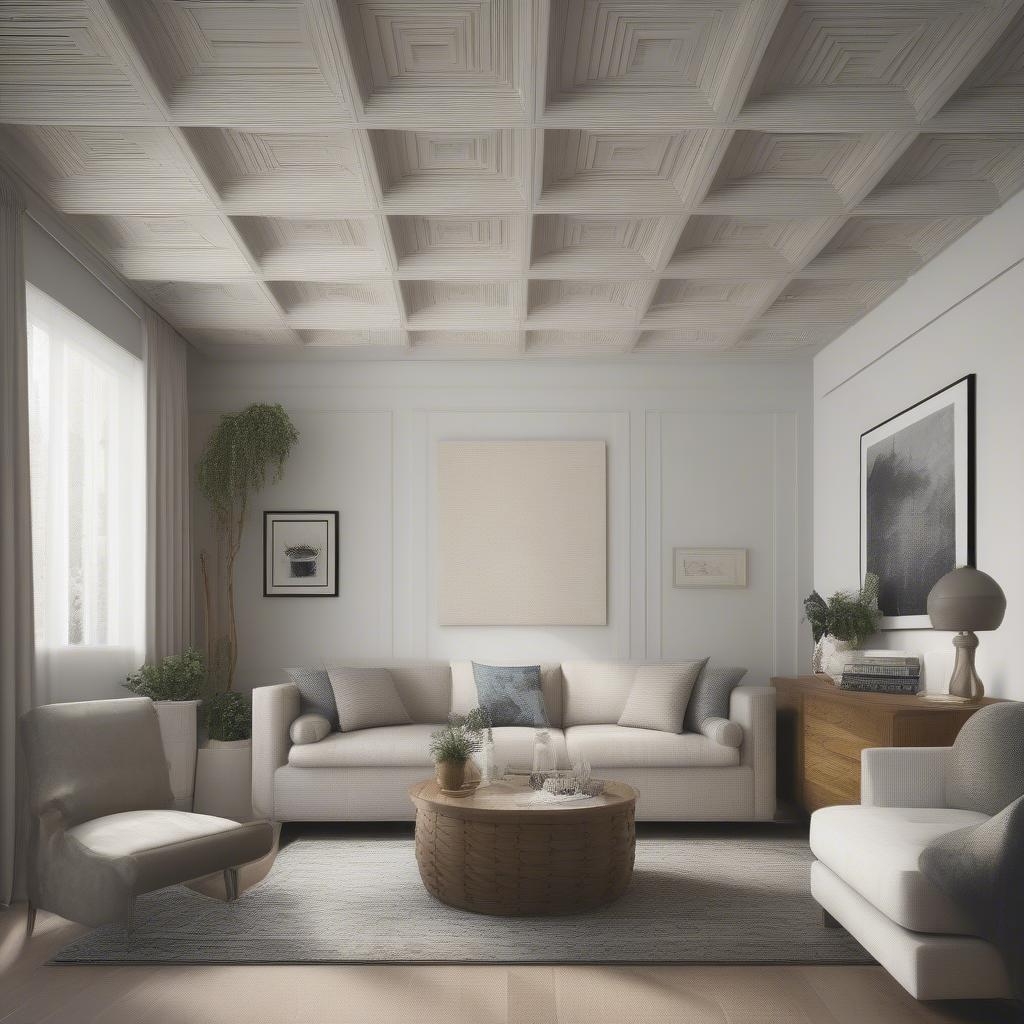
x=964, y=681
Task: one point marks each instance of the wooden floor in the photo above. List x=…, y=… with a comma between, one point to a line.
x=33, y=991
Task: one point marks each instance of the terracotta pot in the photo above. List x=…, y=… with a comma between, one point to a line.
x=451, y=774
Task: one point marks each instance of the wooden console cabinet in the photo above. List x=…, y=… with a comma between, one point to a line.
x=821, y=731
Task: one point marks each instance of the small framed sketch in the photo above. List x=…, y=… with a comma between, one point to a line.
x=300, y=554
x=710, y=567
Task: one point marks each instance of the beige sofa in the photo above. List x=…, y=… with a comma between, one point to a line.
x=364, y=775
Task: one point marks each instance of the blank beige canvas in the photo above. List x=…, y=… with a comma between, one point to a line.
x=522, y=533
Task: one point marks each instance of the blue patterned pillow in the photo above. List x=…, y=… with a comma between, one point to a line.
x=316, y=696
x=511, y=695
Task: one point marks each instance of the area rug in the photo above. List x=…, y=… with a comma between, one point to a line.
x=696, y=897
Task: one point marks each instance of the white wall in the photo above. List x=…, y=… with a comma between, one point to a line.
x=961, y=314
x=699, y=454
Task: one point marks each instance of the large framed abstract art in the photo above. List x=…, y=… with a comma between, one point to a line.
x=917, y=501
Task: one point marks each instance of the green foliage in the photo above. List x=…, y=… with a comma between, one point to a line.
x=848, y=616
x=177, y=677
x=240, y=453
x=228, y=716
x=460, y=739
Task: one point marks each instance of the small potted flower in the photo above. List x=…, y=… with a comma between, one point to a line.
x=302, y=560
x=452, y=746
x=841, y=625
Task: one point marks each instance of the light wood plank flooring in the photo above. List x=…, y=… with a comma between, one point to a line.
x=33, y=992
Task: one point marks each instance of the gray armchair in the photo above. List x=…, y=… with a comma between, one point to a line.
x=103, y=827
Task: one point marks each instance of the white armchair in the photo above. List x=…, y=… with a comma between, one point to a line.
x=866, y=877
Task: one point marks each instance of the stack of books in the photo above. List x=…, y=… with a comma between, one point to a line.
x=883, y=672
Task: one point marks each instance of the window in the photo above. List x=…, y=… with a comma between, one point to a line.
x=87, y=460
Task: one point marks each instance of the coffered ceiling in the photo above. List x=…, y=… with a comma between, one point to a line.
x=516, y=177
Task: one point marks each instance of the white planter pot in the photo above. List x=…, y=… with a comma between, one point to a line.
x=224, y=779
x=179, y=720
x=835, y=655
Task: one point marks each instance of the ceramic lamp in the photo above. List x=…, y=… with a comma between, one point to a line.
x=966, y=601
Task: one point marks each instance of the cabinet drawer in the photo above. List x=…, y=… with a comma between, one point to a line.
x=856, y=720
x=834, y=738
x=834, y=771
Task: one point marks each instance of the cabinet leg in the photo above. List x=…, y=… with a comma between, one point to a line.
x=231, y=884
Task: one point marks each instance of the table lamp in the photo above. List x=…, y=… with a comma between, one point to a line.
x=966, y=600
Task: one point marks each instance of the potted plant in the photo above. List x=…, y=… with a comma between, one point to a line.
x=452, y=746
x=842, y=624
x=224, y=764
x=243, y=450
x=174, y=685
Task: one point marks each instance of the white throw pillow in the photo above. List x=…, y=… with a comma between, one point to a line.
x=659, y=695
x=309, y=728
x=367, y=698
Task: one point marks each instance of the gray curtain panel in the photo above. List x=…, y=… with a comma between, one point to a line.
x=17, y=629
x=169, y=616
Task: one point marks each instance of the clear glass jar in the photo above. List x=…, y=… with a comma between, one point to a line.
x=543, y=752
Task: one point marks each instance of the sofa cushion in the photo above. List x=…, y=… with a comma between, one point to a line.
x=367, y=698
x=465, y=697
x=316, y=696
x=711, y=695
x=876, y=851
x=595, y=692
x=511, y=695
x=986, y=765
x=311, y=728
x=615, y=746
x=513, y=745
x=390, y=746
x=425, y=687
x=658, y=696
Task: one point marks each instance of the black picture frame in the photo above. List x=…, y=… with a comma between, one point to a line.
x=961, y=395
x=327, y=518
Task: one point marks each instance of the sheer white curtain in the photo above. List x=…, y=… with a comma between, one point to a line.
x=168, y=472
x=87, y=452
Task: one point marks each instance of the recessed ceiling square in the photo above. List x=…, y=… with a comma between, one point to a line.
x=305, y=248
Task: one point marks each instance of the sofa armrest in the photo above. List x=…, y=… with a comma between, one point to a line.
x=903, y=776
x=753, y=707
x=274, y=708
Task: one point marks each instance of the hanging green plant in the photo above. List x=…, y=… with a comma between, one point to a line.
x=244, y=451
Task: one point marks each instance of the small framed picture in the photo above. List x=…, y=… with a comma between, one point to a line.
x=300, y=554
x=710, y=567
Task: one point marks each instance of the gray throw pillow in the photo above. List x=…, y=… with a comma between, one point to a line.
x=367, y=698
x=659, y=695
x=315, y=693
x=986, y=766
x=511, y=694
x=711, y=695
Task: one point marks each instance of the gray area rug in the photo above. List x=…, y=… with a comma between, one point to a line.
x=698, y=896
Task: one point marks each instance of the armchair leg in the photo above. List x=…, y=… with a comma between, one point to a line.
x=828, y=920
x=30, y=920
x=231, y=884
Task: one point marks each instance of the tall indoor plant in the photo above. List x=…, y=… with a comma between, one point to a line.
x=842, y=623
x=242, y=452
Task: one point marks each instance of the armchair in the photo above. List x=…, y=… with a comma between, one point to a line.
x=103, y=829
x=867, y=877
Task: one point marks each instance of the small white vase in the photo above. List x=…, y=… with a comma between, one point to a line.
x=179, y=720
x=835, y=655
x=224, y=779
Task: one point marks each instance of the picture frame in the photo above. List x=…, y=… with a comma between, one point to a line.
x=300, y=553
x=917, y=500
x=709, y=567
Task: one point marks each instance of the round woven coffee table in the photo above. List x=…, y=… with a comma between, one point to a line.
x=493, y=854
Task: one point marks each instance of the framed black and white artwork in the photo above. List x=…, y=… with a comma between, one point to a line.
x=917, y=501
x=300, y=554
